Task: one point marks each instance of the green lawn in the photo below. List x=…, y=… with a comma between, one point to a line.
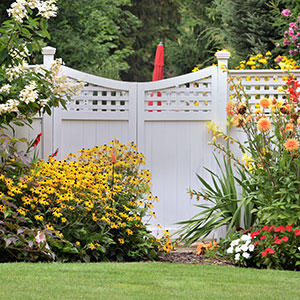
x=143, y=281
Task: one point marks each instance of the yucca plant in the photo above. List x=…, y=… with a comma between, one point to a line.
x=224, y=207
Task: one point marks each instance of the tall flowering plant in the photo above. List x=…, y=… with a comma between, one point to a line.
x=24, y=90
x=270, y=155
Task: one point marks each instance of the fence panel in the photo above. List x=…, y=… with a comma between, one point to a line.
x=172, y=133
x=105, y=109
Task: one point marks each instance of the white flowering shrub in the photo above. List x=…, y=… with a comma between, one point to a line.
x=24, y=90
x=240, y=249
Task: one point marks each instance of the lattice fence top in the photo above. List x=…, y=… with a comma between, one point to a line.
x=95, y=98
x=260, y=84
x=194, y=96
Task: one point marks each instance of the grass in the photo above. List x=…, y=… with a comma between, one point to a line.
x=143, y=281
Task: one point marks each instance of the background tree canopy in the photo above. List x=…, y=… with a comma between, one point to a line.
x=118, y=38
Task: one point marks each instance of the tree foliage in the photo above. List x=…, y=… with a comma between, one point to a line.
x=199, y=36
x=159, y=23
x=94, y=36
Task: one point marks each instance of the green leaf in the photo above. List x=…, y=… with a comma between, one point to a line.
x=3, y=55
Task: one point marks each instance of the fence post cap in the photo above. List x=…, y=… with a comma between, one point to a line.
x=48, y=50
x=223, y=54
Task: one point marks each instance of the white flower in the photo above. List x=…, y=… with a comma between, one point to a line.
x=238, y=249
x=245, y=237
x=244, y=247
x=47, y=9
x=230, y=250
x=33, y=3
x=237, y=256
x=5, y=88
x=18, y=10
x=299, y=248
x=29, y=93
x=246, y=254
x=251, y=247
x=10, y=105
x=235, y=242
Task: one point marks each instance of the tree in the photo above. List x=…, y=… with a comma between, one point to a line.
x=93, y=36
x=159, y=23
x=199, y=36
x=248, y=26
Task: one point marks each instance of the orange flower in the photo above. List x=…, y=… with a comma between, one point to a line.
x=264, y=102
x=264, y=124
x=237, y=121
x=289, y=127
x=248, y=119
x=291, y=145
x=229, y=108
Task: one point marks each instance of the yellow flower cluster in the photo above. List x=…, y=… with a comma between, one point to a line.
x=102, y=186
x=165, y=244
x=258, y=61
x=261, y=61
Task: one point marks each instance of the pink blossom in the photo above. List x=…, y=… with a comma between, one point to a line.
x=285, y=12
x=292, y=24
x=298, y=18
x=40, y=237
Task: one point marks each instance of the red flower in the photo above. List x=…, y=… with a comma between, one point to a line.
x=285, y=239
x=271, y=227
x=262, y=237
x=37, y=140
x=280, y=228
x=297, y=232
x=289, y=228
x=278, y=241
x=265, y=228
x=264, y=254
x=271, y=251
x=254, y=233
x=113, y=157
x=54, y=154
x=255, y=243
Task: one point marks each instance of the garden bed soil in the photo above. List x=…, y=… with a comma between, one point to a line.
x=189, y=256
x=192, y=258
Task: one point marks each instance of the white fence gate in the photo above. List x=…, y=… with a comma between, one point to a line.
x=167, y=119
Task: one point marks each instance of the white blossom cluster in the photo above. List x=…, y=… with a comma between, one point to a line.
x=241, y=247
x=29, y=93
x=18, y=70
x=20, y=54
x=9, y=106
x=62, y=85
x=5, y=88
x=18, y=9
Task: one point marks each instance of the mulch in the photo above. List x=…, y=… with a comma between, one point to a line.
x=190, y=257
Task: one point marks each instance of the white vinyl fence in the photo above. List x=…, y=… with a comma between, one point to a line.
x=167, y=119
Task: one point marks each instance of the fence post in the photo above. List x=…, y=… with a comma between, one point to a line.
x=222, y=94
x=48, y=55
x=48, y=121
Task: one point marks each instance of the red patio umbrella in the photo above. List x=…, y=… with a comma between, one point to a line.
x=158, y=72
